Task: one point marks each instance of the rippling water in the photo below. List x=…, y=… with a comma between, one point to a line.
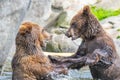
x=75, y=75
x=83, y=74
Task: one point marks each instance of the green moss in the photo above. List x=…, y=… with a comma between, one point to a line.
x=118, y=37
x=59, y=31
x=118, y=30
x=101, y=13
x=52, y=47
x=61, y=19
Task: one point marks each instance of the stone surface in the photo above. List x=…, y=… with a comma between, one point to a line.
x=112, y=25
x=108, y=4
x=60, y=43
x=74, y=4
x=11, y=14
x=39, y=11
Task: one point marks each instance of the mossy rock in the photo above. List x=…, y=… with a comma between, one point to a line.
x=61, y=20
x=61, y=43
x=59, y=31
x=53, y=47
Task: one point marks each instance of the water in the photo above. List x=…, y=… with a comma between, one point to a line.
x=82, y=74
x=75, y=75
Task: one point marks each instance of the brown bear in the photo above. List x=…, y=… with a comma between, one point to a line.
x=96, y=50
x=29, y=62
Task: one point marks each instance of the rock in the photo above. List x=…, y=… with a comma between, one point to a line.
x=114, y=20
x=107, y=26
x=53, y=47
x=61, y=21
x=74, y=4
x=59, y=30
x=51, y=21
x=11, y=15
x=39, y=11
x=57, y=4
x=112, y=25
x=60, y=43
x=117, y=45
x=56, y=20
x=109, y=4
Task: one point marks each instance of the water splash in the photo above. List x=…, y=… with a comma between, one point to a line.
x=74, y=75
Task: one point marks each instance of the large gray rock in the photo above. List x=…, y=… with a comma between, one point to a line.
x=60, y=43
x=108, y=4
x=112, y=25
x=73, y=4
x=12, y=13
x=39, y=11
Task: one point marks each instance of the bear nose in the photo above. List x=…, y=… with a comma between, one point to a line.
x=68, y=34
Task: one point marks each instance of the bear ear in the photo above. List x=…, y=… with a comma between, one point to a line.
x=25, y=29
x=86, y=10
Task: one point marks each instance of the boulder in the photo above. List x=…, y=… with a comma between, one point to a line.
x=12, y=13
x=109, y=4
x=39, y=11
x=112, y=25
x=60, y=43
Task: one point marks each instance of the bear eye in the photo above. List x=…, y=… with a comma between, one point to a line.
x=27, y=31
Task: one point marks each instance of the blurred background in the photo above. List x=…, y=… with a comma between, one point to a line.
x=55, y=16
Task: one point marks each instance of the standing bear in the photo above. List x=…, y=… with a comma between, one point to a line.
x=96, y=50
x=29, y=62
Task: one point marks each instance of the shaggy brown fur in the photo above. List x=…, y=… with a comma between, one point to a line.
x=29, y=62
x=96, y=50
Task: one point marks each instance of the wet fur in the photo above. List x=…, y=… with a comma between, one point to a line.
x=29, y=62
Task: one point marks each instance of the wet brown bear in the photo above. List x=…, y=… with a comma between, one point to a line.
x=29, y=62
x=96, y=50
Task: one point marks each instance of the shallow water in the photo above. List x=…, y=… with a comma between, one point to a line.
x=75, y=75
x=82, y=74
